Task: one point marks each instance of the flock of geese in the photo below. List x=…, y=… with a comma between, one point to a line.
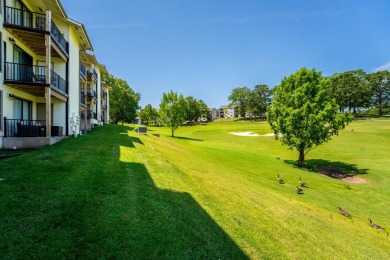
x=342, y=211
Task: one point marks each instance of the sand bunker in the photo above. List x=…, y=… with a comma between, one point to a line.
x=251, y=134
x=244, y=133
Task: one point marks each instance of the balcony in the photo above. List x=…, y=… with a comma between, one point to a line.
x=59, y=38
x=82, y=99
x=91, y=72
x=32, y=79
x=24, y=128
x=19, y=18
x=92, y=93
x=83, y=71
x=29, y=128
x=30, y=28
x=89, y=114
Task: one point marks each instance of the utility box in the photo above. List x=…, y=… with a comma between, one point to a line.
x=141, y=130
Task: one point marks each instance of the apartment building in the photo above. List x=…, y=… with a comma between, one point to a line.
x=46, y=70
x=226, y=111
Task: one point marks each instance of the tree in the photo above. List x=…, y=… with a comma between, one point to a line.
x=240, y=98
x=303, y=114
x=123, y=100
x=192, y=109
x=259, y=99
x=351, y=89
x=203, y=109
x=172, y=110
x=380, y=83
x=148, y=114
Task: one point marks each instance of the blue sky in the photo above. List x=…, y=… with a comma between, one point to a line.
x=205, y=48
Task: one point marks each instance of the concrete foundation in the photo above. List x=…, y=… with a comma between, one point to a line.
x=29, y=142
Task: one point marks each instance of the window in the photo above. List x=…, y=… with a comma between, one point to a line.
x=22, y=109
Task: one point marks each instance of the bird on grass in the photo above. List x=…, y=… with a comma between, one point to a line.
x=298, y=190
x=344, y=213
x=280, y=180
x=376, y=226
x=303, y=184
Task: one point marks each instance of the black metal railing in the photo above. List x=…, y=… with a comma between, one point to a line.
x=91, y=93
x=58, y=37
x=82, y=114
x=24, y=18
x=25, y=72
x=82, y=98
x=58, y=82
x=82, y=70
x=93, y=72
x=24, y=128
x=89, y=114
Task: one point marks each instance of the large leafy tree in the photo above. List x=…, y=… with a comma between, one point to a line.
x=148, y=114
x=240, y=98
x=123, y=100
x=172, y=110
x=203, y=109
x=351, y=89
x=259, y=99
x=192, y=109
x=380, y=83
x=303, y=114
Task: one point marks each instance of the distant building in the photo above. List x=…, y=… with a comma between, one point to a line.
x=226, y=111
x=213, y=114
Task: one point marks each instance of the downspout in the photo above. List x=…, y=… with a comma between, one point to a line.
x=67, y=103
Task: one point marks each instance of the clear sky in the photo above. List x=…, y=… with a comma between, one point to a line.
x=205, y=48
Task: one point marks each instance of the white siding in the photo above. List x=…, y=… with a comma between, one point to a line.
x=59, y=111
x=74, y=80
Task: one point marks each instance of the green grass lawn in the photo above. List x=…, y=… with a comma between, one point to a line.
x=203, y=194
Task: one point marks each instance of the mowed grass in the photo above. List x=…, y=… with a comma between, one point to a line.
x=203, y=194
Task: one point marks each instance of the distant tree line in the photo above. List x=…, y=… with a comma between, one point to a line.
x=175, y=110
x=352, y=90
x=356, y=89
x=251, y=102
x=123, y=100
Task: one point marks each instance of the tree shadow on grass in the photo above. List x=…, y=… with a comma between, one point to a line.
x=107, y=209
x=187, y=138
x=333, y=169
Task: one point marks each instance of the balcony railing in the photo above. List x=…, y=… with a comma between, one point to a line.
x=91, y=93
x=30, y=20
x=24, y=128
x=89, y=114
x=82, y=98
x=58, y=37
x=24, y=18
x=82, y=114
x=82, y=70
x=24, y=72
x=93, y=72
x=59, y=82
x=33, y=74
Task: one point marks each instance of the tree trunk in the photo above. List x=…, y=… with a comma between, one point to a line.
x=172, y=132
x=301, y=160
